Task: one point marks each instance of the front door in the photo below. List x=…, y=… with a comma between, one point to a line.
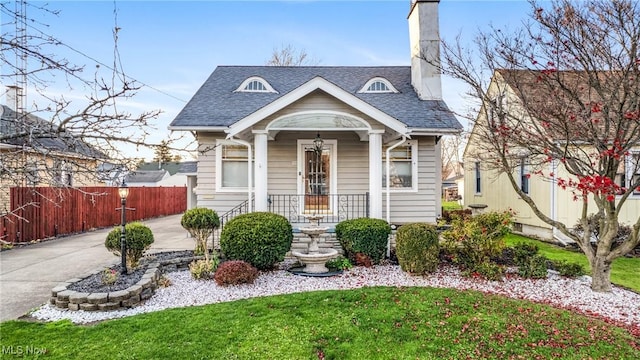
x=316, y=169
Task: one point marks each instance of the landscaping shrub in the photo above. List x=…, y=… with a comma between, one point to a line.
x=535, y=268
x=203, y=269
x=262, y=239
x=417, y=248
x=449, y=215
x=523, y=252
x=624, y=231
x=138, y=239
x=235, y=272
x=490, y=271
x=339, y=263
x=366, y=236
x=568, y=269
x=477, y=240
x=200, y=223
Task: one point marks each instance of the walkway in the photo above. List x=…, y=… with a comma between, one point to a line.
x=27, y=274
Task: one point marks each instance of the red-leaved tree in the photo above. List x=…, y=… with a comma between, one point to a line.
x=563, y=91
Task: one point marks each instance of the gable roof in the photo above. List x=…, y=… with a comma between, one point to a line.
x=43, y=135
x=145, y=176
x=216, y=104
x=172, y=168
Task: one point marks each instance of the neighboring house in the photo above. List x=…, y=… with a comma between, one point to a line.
x=324, y=139
x=146, y=177
x=486, y=190
x=32, y=153
x=167, y=174
x=111, y=174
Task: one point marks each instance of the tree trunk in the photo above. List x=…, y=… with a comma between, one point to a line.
x=601, y=275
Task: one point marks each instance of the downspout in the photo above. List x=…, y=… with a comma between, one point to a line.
x=249, y=172
x=387, y=170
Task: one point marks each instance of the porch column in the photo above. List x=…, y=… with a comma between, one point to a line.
x=375, y=173
x=261, y=170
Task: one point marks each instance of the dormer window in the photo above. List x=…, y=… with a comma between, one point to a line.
x=255, y=84
x=378, y=85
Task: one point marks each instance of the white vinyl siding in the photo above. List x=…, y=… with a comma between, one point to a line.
x=421, y=205
x=402, y=167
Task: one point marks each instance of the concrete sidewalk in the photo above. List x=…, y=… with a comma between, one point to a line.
x=27, y=274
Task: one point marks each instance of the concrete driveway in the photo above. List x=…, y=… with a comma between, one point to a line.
x=27, y=274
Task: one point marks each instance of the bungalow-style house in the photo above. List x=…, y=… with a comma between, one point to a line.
x=31, y=154
x=536, y=175
x=339, y=141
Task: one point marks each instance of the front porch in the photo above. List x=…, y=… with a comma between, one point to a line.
x=295, y=207
x=333, y=207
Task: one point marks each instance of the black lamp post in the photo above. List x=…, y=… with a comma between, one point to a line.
x=123, y=191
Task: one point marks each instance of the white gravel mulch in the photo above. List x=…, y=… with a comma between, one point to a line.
x=620, y=306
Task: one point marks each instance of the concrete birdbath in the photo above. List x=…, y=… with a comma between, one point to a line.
x=315, y=258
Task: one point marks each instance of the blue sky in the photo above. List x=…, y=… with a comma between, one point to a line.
x=173, y=46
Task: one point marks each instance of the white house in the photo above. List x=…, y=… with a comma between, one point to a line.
x=325, y=139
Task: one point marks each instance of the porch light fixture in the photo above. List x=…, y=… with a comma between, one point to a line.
x=318, y=143
x=123, y=191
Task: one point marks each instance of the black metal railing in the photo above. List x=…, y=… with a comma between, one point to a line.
x=240, y=209
x=333, y=207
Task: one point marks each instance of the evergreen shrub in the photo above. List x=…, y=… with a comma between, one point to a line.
x=417, y=248
x=138, y=239
x=364, y=235
x=260, y=238
x=200, y=223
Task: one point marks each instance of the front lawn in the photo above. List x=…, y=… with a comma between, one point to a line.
x=368, y=323
x=625, y=271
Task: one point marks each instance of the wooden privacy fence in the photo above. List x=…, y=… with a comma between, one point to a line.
x=44, y=212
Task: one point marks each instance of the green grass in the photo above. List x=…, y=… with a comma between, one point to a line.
x=451, y=205
x=624, y=271
x=369, y=323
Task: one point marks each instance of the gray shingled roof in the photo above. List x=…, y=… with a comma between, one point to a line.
x=189, y=167
x=145, y=176
x=216, y=103
x=44, y=135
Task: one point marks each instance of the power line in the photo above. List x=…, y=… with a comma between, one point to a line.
x=123, y=74
x=24, y=24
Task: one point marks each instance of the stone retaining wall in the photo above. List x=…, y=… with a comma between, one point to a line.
x=64, y=298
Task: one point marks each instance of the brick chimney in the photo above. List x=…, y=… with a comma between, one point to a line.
x=424, y=38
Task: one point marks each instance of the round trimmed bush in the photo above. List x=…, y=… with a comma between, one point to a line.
x=260, y=238
x=417, y=248
x=138, y=238
x=365, y=236
x=235, y=272
x=200, y=223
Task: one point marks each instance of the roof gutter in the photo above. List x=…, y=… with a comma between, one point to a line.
x=434, y=132
x=199, y=128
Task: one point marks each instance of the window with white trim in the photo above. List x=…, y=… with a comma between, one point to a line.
x=523, y=171
x=232, y=170
x=403, y=172
x=255, y=84
x=62, y=174
x=32, y=174
x=629, y=172
x=478, y=178
x=378, y=85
